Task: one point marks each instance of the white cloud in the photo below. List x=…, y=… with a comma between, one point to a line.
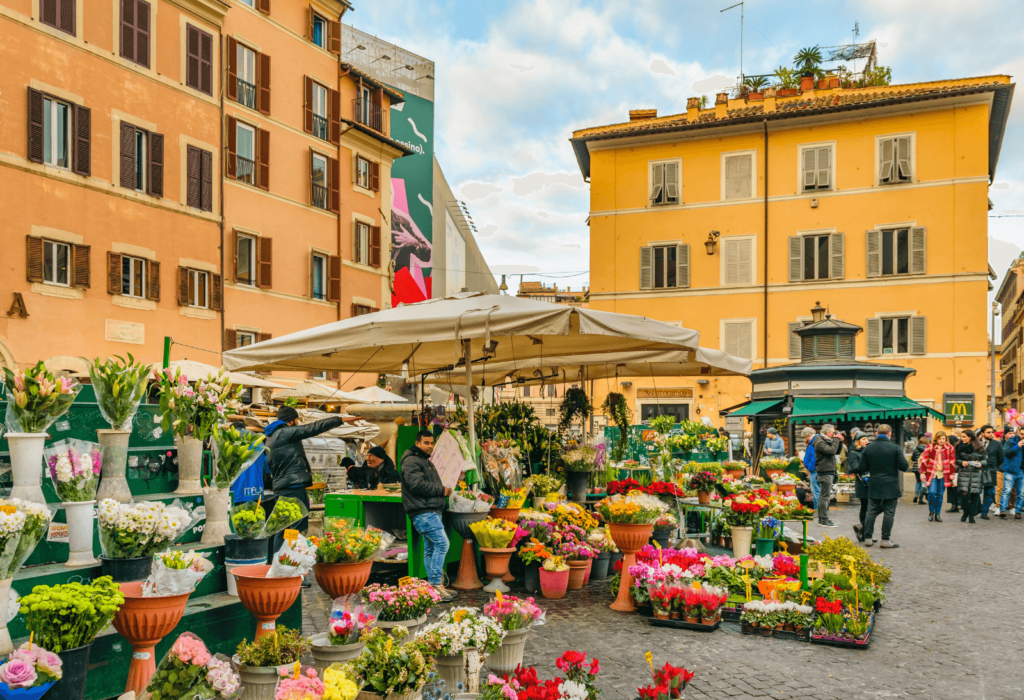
x=521, y=69
x=715, y=83
x=478, y=190
x=660, y=67
x=543, y=214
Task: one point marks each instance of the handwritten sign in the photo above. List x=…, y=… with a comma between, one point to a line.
x=58, y=533
x=449, y=461
x=405, y=581
x=290, y=536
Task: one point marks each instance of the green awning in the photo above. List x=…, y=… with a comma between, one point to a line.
x=861, y=408
x=755, y=407
x=804, y=407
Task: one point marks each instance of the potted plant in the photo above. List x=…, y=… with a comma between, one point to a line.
x=734, y=468
x=65, y=619
x=807, y=62
x=787, y=82
x=340, y=683
x=35, y=400
x=630, y=520
x=345, y=555
x=533, y=554
x=712, y=599
x=350, y=620
x=544, y=487
x=554, y=578
x=766, y=532
x=741, y=514
x=23, y=525
x=669, y=683
x=390, y=670
x=130, y=534
x=755, y=86
x=460, y=640
x=703, y=483
x=515, y=616
x=403, y=606
x=234, y=451
x=259, y=662
x=664, y=526
x=29, y=672
x=120, y=386
x=579, y=463
x=600, y=540
x=497, y=538
x=577, y=555
x=74, y=468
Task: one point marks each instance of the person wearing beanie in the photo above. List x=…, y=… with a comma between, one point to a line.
x=858, y=441
x=774, y=447
x=378, y=469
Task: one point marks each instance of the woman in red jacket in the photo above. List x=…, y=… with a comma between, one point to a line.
x=938, y=467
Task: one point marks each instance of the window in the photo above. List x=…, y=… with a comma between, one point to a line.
x=738, y=176
x=318, y=375
x=737, y=338
x=897, y=251
x=318, y=29
x=816, y=168
x=549, y=411
x=135, y=31
x=246, y=77
x=319, y=181
x=364, y=105
x=56, y=133
x=362, y=172
x=362, y=243
x=245, y=260
x=894, y=160
x=816, y=256
x=59, y=14
x=142, y=160
x=360, y=310
x=59, y=133
x=244, y=338
x=198, y=60
x=737, y=260
x=681, y=411
x=552, y=391
x=319, y=111
x=198, y=289
x=897, y=335
x=56, y=262
x=319, y=275
x=664, y=267
x=664, y=183
x=245, y=167
x=133, y=277
x=526, y=392
x=199, y=165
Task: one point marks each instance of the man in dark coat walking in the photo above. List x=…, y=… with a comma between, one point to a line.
x=882, y=461
x=994, y=458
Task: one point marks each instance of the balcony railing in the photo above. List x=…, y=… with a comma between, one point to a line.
x=319, y=196
x=370, y=114
x=320, y=127
x=245, y=170
x=246, y=94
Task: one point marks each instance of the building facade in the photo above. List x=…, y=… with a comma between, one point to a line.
x=539, y=291
x=735, y=220
x=1011, y=304
x=464, y=267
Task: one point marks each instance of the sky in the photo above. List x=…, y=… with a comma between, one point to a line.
x=514, y=78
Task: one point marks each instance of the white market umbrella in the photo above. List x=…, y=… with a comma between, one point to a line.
x=374, y=394
x=242, y=379
x=194, y=371
x=308, y=389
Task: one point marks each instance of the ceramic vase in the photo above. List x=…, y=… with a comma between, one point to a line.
x=27, y=465
x=218, y=503
x=190, y=465
x=114, y=446
x=80, y=517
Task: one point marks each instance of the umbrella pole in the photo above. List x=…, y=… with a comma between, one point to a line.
x=469, y=400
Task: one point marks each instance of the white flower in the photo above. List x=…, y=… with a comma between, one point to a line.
x=571, y=690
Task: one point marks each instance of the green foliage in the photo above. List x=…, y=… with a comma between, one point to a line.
x=510, y=420
x=70, y=615
x=786, y=78
x=704, y=101
x=808, y=60
x=835, y=552
x=616, y=408
x=575, y=405
x=387, y=666
x=120, y=386
x=235, y=449
x=662, y=424
x=291, y=402
x=285, y=646
x=756, y=83
x=876, y=77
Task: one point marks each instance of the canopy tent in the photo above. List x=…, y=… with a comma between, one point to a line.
x=308, y=389
x=374, y=394
x=197, y=371
x=859, y=408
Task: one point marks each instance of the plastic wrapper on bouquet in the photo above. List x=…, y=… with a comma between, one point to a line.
x=175, y=573
x=295, y=558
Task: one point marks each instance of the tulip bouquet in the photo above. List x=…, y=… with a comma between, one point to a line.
x=74, y=469
x=130, y=530
x=669, y=683
x=120, y=386
x=299, y=684
x=70, y=615
x=346, y=543
x=458, y=629
x=398, y=603
x=36, y=398
x=29, y=672
x=235, y=450
x=181, y=669
x=193, y=411
x=514, y=613
x=349, y=618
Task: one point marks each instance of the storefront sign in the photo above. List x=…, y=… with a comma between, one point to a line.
x=125, y=332
x=680, y=393
x=958, y=409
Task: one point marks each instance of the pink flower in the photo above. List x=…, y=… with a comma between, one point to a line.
x=18, y=674
x=48, y=661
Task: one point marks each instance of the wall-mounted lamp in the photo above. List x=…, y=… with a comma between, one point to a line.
x=626, y=385
x=711, y=242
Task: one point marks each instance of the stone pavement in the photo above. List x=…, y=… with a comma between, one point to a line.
x=950, y=627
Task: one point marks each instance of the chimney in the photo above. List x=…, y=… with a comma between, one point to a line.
x=639, y=115
x=769, y=100
x=722, y=105
x=692, y=108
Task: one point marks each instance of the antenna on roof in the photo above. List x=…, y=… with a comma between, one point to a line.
x=739, y=5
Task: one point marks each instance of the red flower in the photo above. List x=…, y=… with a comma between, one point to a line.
x=827, y=607
x=595, y=667
x=570, y=658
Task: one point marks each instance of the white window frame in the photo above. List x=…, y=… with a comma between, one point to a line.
x=878, y=158
x=250, y=3
x=322, y=257
x=753, y=173
x=814, y=234
x=895, y=316
x=753, y=259
x=319, y=100
x=141, y=160
x=240, y=335
x=193, y=284
x=365, y=97
x=323, y=35
x=131, y=260
x=252, y=132
x=52, y=269
x=50, y=106
x=246, y=64
x=253, y=262
x=833, y=186
x=752, y=322
x=654, y=273
x=317, y=157
x=650, y=182
x=361, y=243
x=362, y=173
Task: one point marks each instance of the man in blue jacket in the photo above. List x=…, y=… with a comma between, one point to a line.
x=808, y=434
x=774, y=447
x=1013, y=474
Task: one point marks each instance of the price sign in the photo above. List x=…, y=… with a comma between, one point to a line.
x=658, y=547
x=498, y=594
x=650, y=661
x=290, y=536
x=405, y=581
x=746, y=582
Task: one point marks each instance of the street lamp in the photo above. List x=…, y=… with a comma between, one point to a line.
x=709, y=244
x=992, y=360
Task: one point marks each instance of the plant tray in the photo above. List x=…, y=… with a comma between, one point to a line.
x=803, y=635
x=732, y=614
x=683, y=625
x=848, y=643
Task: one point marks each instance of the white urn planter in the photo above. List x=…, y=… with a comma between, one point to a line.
x=190, y=466
x=80, y=517
x=217, y=502
x=114, y=445
x=741, y=538
x=461, y=672
x=27, y=466
x=509, y=654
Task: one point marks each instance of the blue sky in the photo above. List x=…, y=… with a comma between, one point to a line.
x=515, y=78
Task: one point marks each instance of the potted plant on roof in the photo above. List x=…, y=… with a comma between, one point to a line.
x=260, y=662
x=460, y=641
x=35, y=400
x=787, y=82
x=120, y=386
x=234, y=451
x=74, y=467
x=808, y=61
x=345, y=555
x=630, y=520
x=755, y=86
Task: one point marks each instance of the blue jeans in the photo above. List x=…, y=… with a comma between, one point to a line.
x=435, y=544
x=1009, y=482
x=988, y=494
x=936, y=490
x=815, y=489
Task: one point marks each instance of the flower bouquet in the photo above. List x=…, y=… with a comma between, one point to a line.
x=23, y=525
x=120, y=387
x=499, y=462
x=295, y=558
x=350, y=617
x=666, y=522
x=299, y=683
x=513, y=613
x=29, y=672
x=543, y=484
x=346, y=543
x=181, y=669
x=70, y=615
x=133, y=530
x=247, y=519
x=573, y=514
x=458, y=629
x=235, y=451
x=37, y=399
x=496, y=533
x=401, y=603
x=340, y=683
x=387, y=667
x=74, y=469
x=287, y=511
x=669, y=683
x=635, y=508
x=580, y=459
x=467, y=500
x=217, y=680
x=175, y=573
x=512, y=498
x=194, y=411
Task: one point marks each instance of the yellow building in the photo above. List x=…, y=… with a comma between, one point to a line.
x=735, y=220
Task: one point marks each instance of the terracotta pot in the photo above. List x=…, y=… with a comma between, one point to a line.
x=577, y=571
x=786, y=92
x=144, y=622
x=707, y=621
x=553, y=584
x=337, y=580
x=693, y=620
x=496, y=566
x=661, y=615
x=704, y=497
x=325, y=653
x=734, y=473
x=629, y=538
x=265, y=598
x=785, y=488
x=772, y=473
x=509, y=514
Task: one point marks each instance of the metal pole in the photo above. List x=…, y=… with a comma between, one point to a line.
x=992, y=356
x=167, y=351
x=471, y=411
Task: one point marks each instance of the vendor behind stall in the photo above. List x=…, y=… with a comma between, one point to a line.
x=378, y=469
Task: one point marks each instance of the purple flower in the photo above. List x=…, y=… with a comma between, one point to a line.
x=18, y=674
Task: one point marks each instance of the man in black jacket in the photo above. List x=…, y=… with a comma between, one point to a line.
x=826, y=448
x=423, y=497
x=994, y=463
x=882, y=461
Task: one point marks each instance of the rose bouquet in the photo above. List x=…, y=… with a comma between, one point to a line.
x=398, y=603
x=182, y=667
x=346, y=543
x=217, y=679
x=175, y=573
x=23, y=525
x=298, y=684
x=287, y=511
x=29, y=672
x=74, y=469
x=514, y=613
x=339, y=683
x=36, y=399
x=130, y=530
x=387, y=666
x=120, y=386
x=235, y=451
x=634, y=508
x=350, y=616
x=70, y=615
x=247, y=518
x=458, y=629
x=669, y=683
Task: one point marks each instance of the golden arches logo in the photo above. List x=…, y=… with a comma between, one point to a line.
x=959, y=409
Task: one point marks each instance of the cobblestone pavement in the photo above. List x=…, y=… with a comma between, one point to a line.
x=950, y=628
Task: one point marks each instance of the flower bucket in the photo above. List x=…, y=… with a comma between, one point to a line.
x=704, y=497
x=80, y=516
x=217, y=502
x=258, y=682
x=74, y=665
x=586, y=574
x=144, y=622
x=125, y=570
x=741, y=537
x=27, y=465
x=538, y=502
x=772, y=473
x=190, y=464
x=114, y=446
x=576, y=486
x=577, y=570
x=412, y=625
x=265, y=598
x=599, y=571
x=764, y=545
x=240, y=548
x=461, y=670
x=496, y=565
x=509, y=654
x=370, y=695
x=325, y=653
x=553, y=584
x=6, y=647
x=661, y=538
x=337, y=580
x=786, y=488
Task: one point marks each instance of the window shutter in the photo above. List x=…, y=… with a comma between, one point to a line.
x=335, y=184
x=683, y=265
x=796, y=262
x=737, y=177
x=232, y=164
x=193, y=164
x=66, y=17
x=334, y=118
x=206, y=63
x=128, y=29
x=182, y=286
x=35, y=126
x=264, y=82
x=646, y=267
x=127, y=156
x=874, y=247
x=794, y=340
x=156, y=164
x=731, y=339
x=918, y=335
x=230, y=339
x=354, y=311
x=34, y=258
x=234, y=256
x=232, y=51
x=375, y=177
x=918, y=250
x=732, y=261
x=307, y=109
x=874, y=337
x=334, y=278
x=837, y=244
x=334, y=38
x=114, y=273
x=206, y=184
x=824, y=168
x=260, y=337
x=142, y=33
x=82, y=273
x=216, y=292
x=264, y=142
x=744, y=264
x=310, y=16
x=265, y=278
x=334, y=376
x=191, y=57
x=885, y=165
x=903, y=157
x=657, y=181
x=672, y=183
x=810, y=168
x=375, y=246
x=83, y=139
x=48, y=12
x=263, y=6
x=153, y=281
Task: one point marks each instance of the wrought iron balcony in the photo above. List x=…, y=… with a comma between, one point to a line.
x=320, y=127
x=319, y=196
x=370, y=114
x=245, y=170
x=246, y=94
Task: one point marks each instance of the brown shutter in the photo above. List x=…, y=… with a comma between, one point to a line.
x=153, y=281
x=234, y=256
x=334, y=38
x=264, y=164
x=34, y=258
x=216, y=292
x=263, y=6
x=206, y=63
x=265, y=277
x=375, y=177
x=374, y=309
x=260, y=337
x=230, y=339
x=48, y=12
x=113, y=273
x=182, y=286
x=334, y=132
x=206, y=181
x=193, y=163
x=232, y=51
x=142, y=33
x=191, y=57
x=127, y=156
x=335, y=184
x=354, y=311
x=334, y=278
x=307, y=108
x=81, y=271
x=66, y=17
x=263, y=61
x=83, y=139
x=35, y=126
x=156, y=164
x=333, y=376
x=375, y=246
x=232, y=164
x=128, y=29
x=310, y=16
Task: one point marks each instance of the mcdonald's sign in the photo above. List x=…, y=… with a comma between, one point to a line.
x=958, y=409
